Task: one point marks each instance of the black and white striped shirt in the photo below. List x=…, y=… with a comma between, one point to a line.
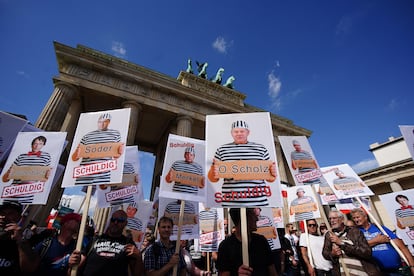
x=248, y=151
x=28, y=160
x=95, y=137
x=183, y=166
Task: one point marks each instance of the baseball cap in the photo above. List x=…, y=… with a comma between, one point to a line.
x=70, y=216
x=12, y=205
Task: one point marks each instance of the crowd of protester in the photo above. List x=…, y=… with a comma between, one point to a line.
x=360, y=248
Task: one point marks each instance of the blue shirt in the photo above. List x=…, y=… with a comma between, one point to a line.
x=385, y=254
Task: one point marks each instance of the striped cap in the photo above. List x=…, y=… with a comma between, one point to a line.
x=133, y=205
x=239, y=124
x=190, y=150
x=105, y=116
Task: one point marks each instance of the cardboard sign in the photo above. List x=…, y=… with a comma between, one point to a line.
x=407, y=221
x=187, y=218
x=306, y=207
x=210, y=225
x=29, y=173
x=189, y=179
x=268, y=232
x=245, y=169
x=308, y=163
x=100, y=150
x=348, y=186
x=129, y=179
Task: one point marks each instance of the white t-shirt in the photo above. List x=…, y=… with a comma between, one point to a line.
x=316, y=247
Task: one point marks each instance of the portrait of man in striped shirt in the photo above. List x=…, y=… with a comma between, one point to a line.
x=188, y=165
x=237, y=192
x=101, y=135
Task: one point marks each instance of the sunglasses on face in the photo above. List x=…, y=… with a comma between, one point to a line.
x=311, y=225
x=119, y=220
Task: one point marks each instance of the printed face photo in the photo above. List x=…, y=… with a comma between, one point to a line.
x=240, y=135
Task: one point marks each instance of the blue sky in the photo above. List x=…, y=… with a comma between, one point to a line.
x=343, y=69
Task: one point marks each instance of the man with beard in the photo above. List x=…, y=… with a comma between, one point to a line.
x=349, y=244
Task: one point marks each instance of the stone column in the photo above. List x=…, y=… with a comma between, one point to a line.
x=184, y=125
x=71, y=119
x=54, y=113
x=395, y=186
x=133, y=120
x=280, y=163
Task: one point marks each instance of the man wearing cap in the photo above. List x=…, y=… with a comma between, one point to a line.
x=102, y=135
x=236, y=192
x=35, y=157
x=112, y=253
x=57, y=254
x=16, y=255
x=186, y=166
x=306, y=213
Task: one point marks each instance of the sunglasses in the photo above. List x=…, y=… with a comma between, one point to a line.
x=119, y=220
x=311, y=225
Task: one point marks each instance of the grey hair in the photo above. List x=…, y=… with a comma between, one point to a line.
x=358, y=210
x=340, y=214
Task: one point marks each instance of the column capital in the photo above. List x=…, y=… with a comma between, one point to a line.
x=184, y=118
x=395, y=186
x=61, y=84
x=128, y=103
x=184, y=123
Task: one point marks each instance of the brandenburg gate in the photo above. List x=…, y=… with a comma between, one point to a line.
x=90, y=80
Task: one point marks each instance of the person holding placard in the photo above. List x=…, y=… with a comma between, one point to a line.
x=349, y=244
x=230, y=260
x=16, y=254
x=383, y=252
x=314, y=243
x=57, y=253
x=240, y=164
x=112, y=253
x=161, y=258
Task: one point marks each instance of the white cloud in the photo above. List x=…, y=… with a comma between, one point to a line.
x=119, y=49
x=392, y=105
x=348, y=23
x=221, y=45
x=275, y=85
x=23, y=74
x=365, y=165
